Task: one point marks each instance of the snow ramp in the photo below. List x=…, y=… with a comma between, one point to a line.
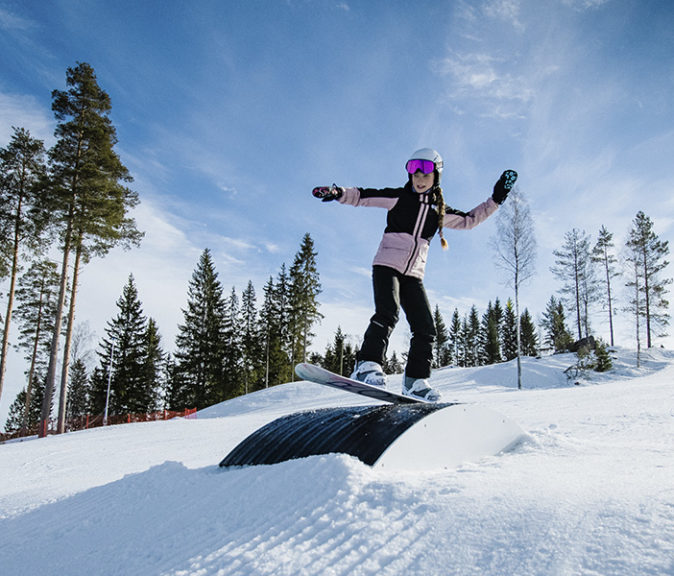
x=392, y=436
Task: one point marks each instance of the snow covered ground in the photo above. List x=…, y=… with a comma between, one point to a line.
x=590, y=491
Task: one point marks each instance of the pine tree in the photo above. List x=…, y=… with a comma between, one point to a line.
x=647, y=252
x=22, y=218
x=573, y=268
x=199, y=355
x=304, y=290
x=35, y=312
x=88, y=199
x=602, y=254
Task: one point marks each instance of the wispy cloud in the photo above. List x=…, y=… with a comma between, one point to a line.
x=10, y=21
x=24, y=111
x=485, y=82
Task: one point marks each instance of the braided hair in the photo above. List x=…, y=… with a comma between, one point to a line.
x=439, y=200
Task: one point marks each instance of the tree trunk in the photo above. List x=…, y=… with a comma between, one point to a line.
x=53, y=353
x=63, y=397
x=33, y=360
x=10, y=299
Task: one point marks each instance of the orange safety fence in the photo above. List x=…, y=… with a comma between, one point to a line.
x=95, y=420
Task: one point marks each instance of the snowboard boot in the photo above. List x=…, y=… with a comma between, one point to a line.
x=369, y=373
x=419, y=388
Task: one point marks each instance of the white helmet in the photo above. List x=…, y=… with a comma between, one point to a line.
x=432, y=156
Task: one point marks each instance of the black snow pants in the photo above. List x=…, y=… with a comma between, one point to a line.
x=393, y=290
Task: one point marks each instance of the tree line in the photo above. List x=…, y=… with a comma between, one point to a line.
x=226, y=345
x=74, y=198
x=589, y=274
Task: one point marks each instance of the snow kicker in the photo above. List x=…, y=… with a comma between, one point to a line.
x=420, y=436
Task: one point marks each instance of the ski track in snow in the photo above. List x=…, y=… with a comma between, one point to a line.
x=590, y=491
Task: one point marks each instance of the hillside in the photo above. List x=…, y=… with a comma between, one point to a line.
x=590, y=491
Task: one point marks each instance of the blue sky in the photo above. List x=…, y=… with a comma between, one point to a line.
x=228, y=113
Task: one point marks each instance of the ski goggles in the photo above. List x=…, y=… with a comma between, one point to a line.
x=426, y=166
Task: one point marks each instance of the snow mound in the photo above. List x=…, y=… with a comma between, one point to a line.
x=590, y=492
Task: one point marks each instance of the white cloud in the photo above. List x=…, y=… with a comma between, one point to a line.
x=485, y=82
x=505, y=10
x=24, y=111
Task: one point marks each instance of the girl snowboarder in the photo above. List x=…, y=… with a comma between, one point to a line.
x=415, y=213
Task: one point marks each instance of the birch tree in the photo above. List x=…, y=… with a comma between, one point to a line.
x=516, y=252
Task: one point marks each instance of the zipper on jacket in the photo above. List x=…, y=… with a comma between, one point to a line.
x=424, y=208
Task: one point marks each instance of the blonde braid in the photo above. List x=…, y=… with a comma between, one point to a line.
x=441, y=216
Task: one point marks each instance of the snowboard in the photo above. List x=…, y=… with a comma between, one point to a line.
x=319, y=375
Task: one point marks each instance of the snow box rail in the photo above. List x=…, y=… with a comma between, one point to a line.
x=400, y=436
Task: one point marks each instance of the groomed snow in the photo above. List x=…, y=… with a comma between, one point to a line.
x=591, y=490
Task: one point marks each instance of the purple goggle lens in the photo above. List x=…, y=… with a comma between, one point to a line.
x=426, y=166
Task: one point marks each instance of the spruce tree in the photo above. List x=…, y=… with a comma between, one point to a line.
x=340, y=356
x=270, y=328
x=471, y=332
x=395, y=366
x=553, y=323
x=124, y=351
x=441, y=339
x=490, y=334
x=251, y=341
x=232, y=378
x=282, y=305
x=78, y=392
x=20, y=419
x=455, y=344
x=305, y=287
x=529, y=337
x=153, y=368
x=198, y=376
x=647, y=253
x=509, y=332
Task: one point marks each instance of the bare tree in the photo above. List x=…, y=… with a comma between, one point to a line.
x=602, y=254
x=646, y=252
x=515, y=246
x=573, y=268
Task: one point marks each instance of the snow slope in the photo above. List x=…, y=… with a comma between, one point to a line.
x=591, y=491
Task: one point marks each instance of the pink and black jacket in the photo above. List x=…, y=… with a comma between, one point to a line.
x=411, y=223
